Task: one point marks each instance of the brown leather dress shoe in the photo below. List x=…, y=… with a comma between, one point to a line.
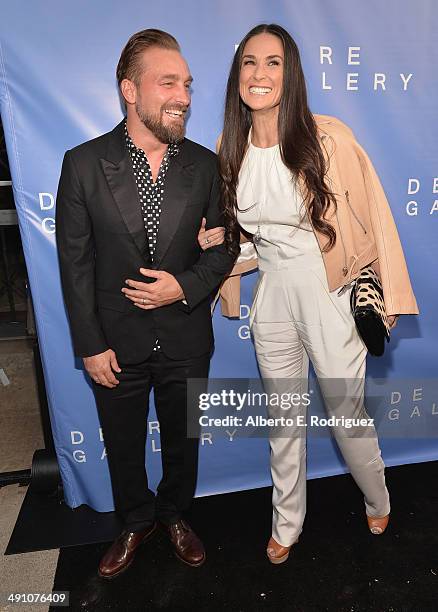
x=121, y=553
x=377, y=525
x=188, y=547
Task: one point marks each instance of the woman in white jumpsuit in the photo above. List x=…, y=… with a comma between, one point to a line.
x=294, y=316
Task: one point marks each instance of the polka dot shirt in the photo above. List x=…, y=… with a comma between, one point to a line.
x=150, y=194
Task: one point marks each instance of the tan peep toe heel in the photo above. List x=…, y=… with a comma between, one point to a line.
x=277, y=553
x=377, y=525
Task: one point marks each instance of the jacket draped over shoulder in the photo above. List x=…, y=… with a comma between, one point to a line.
x=365, y=229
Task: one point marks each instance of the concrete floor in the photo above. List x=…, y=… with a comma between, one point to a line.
x=21, y=435
x=19, y=411
x=28, y=572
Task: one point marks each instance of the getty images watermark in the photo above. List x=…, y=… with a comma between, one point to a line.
x=298, y=407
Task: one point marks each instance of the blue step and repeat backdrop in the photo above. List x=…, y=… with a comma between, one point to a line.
x=372, y=64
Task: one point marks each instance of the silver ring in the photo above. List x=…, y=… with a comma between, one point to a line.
x=143, y=301
x=207, y=241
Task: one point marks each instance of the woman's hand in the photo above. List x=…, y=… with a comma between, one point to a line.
x=211, y=237
x=392, y=320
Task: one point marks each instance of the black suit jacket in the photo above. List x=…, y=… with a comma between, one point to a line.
x=102, y=242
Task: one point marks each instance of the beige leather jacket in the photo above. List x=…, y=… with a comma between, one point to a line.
x=365, y=229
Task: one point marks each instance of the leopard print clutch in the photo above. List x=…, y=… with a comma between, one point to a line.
x=368, y=309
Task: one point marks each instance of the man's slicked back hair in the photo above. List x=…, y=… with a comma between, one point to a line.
x=130, y=64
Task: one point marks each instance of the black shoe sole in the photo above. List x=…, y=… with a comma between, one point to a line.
x=198, y=564
x=116, y=574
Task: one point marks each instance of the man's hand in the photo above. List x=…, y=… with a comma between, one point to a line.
x=165, y=290
x=100, y=367
x=211, y=237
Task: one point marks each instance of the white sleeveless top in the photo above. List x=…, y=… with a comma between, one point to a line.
x=268, y=198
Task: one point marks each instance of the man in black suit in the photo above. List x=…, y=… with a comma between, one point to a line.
x=137, y=287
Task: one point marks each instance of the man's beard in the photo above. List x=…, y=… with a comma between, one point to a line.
x=167, y=134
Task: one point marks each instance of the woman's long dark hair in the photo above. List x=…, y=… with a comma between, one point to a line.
x=299, y=146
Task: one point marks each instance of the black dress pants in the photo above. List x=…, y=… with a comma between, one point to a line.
x=123, y=413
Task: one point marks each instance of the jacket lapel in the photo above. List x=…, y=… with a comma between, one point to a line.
x=177, y=189
x=117, y=169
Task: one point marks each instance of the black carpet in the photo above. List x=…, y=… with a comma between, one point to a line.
x=336, y=566
x=46, y=522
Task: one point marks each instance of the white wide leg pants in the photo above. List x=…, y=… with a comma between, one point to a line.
x=295, y=318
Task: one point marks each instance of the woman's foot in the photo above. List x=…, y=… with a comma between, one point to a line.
x=276, y=552
x=377, y=525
